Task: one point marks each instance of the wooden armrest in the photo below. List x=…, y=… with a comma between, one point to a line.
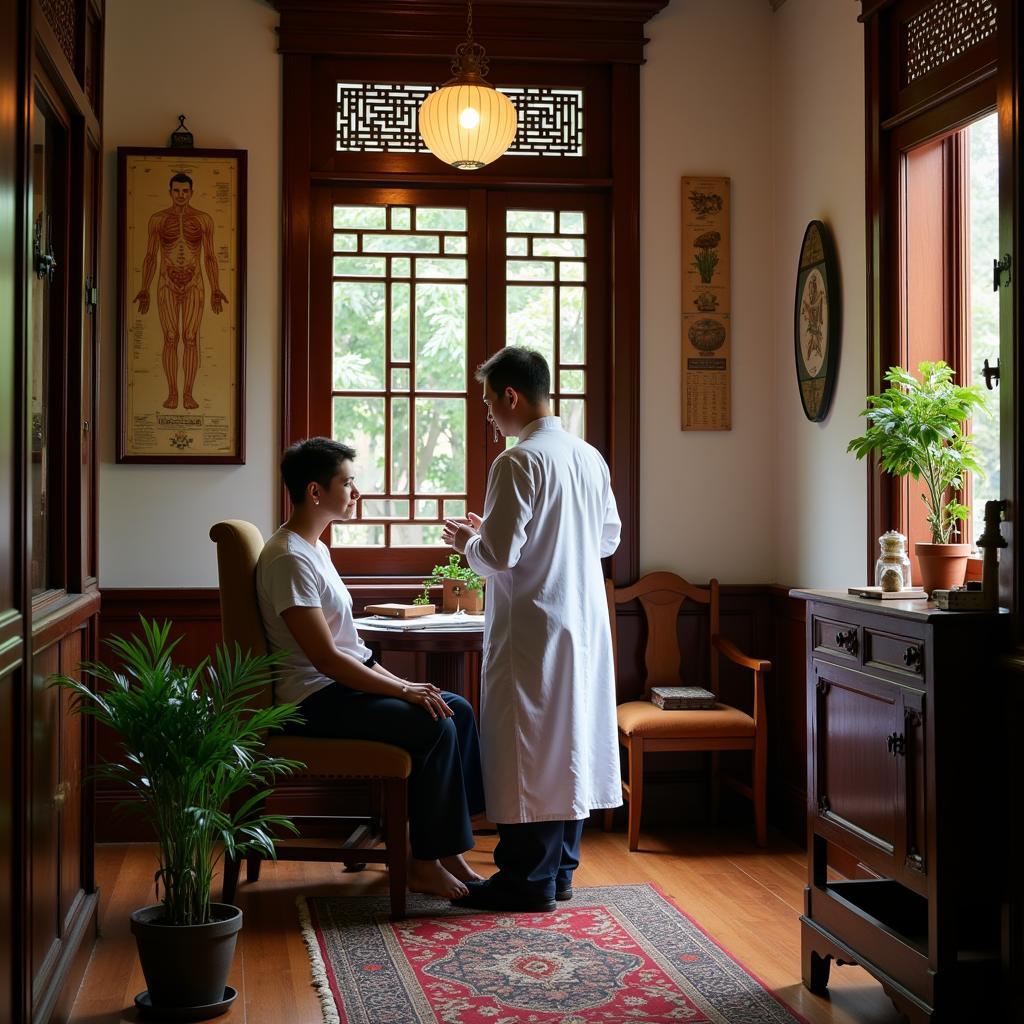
x=735, y=655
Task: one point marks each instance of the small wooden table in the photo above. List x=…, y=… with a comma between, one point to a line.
x=447, y=656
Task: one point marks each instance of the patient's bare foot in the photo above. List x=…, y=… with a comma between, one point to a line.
x=428, y=876
x=460, y=869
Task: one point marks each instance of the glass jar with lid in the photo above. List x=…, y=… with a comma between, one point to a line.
x=892, y=570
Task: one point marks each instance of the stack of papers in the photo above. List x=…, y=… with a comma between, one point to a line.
x=454, y=621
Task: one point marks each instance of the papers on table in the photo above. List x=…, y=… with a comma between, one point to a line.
x=453, y=621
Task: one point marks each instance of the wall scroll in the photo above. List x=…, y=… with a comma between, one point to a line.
x=706, y=304
x=181, y=305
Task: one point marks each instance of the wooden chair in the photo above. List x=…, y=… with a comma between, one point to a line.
x=644, y=727
x=238, y=547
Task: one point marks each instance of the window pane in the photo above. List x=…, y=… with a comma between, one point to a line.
x=350, y=217
x=570, y=382
x=399, y=445
x=356, y=535
x=359, y=266
x=400, y=322
x=346, y=243
x=530, y=270
x=401, y=243
x=440, y=445
x=455, y=509
x=541, y=221
x=455, y=244
x=515, y=246
x=441, y=268
x=570, y=222
x=440, y=337
x=401, y=267
x=359, y=335
x=440, y=219
x=426, y=509
x=359, y=422
x=571, y=312
x=400, y=379
x=558, y=247
x=572, y=413
x=572, y=271
x=984, y=304
x=384, y=508
x=401, y=218
x=407, y=535
x=530, y=318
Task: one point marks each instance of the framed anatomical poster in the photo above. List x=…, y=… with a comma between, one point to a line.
x=706, y=304
x=181, y=305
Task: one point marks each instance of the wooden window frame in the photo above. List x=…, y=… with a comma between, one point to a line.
x=573, y=41
x=898, y=117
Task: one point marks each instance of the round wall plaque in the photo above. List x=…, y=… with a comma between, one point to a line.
x=816, y=321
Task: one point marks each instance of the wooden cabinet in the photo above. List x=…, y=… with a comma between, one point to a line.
x=904, y=780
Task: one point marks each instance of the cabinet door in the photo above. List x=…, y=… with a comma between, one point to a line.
x=867, y=769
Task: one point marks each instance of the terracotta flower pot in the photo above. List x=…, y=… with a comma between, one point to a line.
x=456, y=596
x=943, y=566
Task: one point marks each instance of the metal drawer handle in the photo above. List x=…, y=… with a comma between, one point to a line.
x=847, y=640
x=912, y=657
x=896, y=744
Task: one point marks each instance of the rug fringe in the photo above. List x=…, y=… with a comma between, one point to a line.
x=321, y=983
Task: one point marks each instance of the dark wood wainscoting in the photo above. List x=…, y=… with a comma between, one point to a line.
x=762, y=620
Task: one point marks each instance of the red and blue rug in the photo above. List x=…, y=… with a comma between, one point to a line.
x=610, y=956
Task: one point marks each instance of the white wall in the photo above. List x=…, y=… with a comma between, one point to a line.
x=707, y=498
x=817, y=164
x=217, y=63
x=775, y=101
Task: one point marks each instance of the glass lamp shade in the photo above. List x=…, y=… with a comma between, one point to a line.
x=467, y=124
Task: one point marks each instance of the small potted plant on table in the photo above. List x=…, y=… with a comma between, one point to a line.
x=191, y=743
x=461, y=588
x=917, y=428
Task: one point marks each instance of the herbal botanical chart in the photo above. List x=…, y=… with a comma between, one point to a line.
x=706, y=304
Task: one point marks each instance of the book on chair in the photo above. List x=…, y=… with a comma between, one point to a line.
x=682, y=698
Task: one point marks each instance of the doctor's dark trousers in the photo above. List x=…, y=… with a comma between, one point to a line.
x=445, y=787
x=537, y=858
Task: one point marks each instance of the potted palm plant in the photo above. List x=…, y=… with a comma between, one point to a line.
x=190, y=741
x=916, y=425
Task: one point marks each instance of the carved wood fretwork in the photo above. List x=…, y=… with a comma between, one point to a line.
x=943, y=31
x=63, y=18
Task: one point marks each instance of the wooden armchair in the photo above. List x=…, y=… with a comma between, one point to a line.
x=644, y=727
x=238, y=547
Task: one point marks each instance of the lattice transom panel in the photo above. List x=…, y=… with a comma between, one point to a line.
x=943, y=31
x=376, y=117
x=62, y=16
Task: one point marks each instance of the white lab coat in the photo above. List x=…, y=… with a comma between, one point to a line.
x=548, y=730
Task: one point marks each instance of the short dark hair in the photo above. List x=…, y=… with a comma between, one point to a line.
x=180, y=176
x=316, y=459
x=524, y=369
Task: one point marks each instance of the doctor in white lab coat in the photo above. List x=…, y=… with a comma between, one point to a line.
x=547, y=716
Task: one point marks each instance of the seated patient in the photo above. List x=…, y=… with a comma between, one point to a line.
x=339, y=687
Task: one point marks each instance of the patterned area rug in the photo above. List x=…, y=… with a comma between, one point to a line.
x=610, y=956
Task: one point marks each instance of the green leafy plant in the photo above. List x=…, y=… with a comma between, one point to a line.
x=452, y=570
x=190, y=741
x=917, y=428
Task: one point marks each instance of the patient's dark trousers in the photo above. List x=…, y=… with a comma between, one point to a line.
x=445, y=786
x=537, y=857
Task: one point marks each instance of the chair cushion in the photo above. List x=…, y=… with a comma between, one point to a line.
x=642, y=718
x=349, y=758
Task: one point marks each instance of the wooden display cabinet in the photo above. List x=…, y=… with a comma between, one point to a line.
x=904, y=779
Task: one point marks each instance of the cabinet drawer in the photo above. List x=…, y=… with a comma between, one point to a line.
x=888, y=650
x=835, y=637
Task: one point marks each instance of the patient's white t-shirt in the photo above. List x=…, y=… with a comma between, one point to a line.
x=291, y=573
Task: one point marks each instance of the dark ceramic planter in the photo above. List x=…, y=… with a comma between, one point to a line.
x=186, y=965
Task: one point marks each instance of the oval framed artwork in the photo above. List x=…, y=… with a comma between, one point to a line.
x=816, y=321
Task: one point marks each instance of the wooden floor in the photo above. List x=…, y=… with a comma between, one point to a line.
x=748, y=899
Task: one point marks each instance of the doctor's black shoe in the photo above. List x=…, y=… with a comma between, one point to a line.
x=487, y=896
x=563, y=894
